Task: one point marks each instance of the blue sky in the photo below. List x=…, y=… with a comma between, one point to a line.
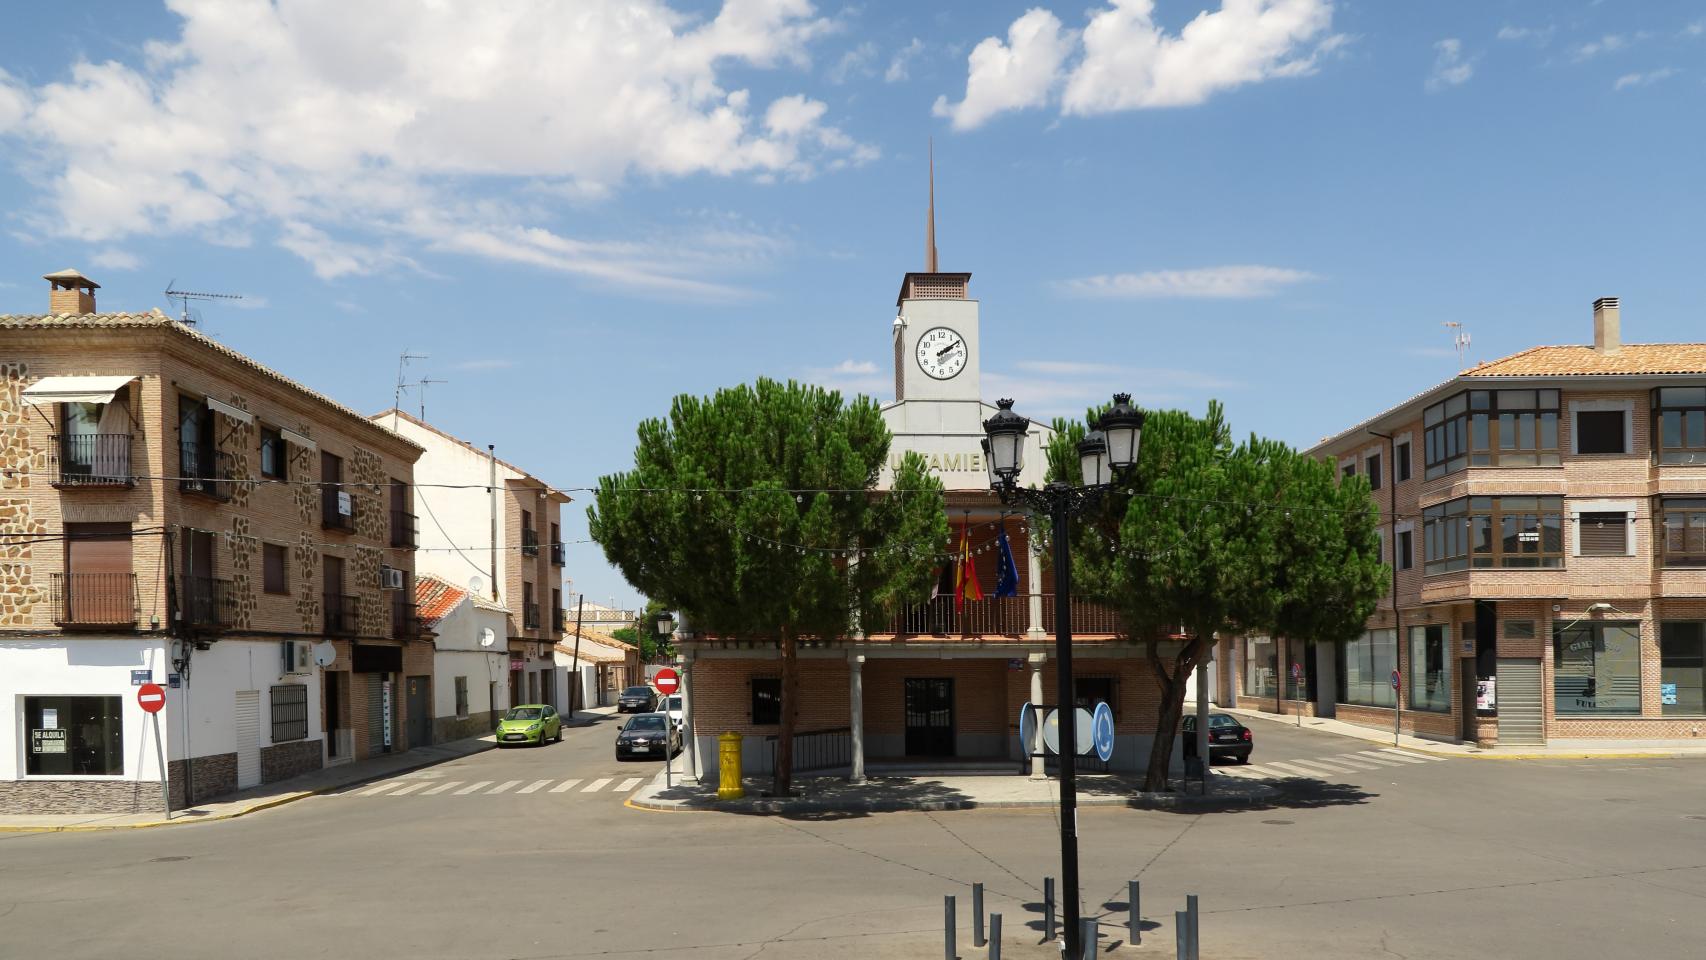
x=579, y=210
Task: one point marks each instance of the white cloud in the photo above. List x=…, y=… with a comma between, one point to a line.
x=112, y=258
x=1128, y=62
x=1695, y=29
x=1223, y=283
x=1610, y=43
x=852, y=376
x=900, y=63
x=1643, y=79
x=855, y=62
x=1065, y=388
x=351, y=133
x=1539, y=36
x=1450, y=68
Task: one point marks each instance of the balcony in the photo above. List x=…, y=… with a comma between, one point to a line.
x=558, y=555
x=403, y=530
x=405, y=623
x=529, y=542
x=205, y=472
x=207, y=604
x=997, y=617
x=530, y=616
x=93, y=599
x=343, y=614
x=556, y=620
x=92, y=460
x=337, y=508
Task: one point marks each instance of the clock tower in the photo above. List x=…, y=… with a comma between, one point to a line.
x=935, y=329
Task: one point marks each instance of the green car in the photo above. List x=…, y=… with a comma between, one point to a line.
x=532, y=723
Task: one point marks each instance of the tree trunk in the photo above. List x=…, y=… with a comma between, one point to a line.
x=1172, y=708
x=783, y=784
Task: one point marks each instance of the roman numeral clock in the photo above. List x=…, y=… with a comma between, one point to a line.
x=941, y=353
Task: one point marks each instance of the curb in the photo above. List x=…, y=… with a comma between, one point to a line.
x=234, y=814
x=1495, y=754
x=1169, y=802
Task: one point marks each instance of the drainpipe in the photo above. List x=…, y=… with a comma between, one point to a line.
x=492, y=494
x=1397, y=618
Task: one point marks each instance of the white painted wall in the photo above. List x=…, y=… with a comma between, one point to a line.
x=457, y=652
x=459, y=518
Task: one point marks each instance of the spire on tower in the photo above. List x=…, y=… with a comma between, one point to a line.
x=930, y=219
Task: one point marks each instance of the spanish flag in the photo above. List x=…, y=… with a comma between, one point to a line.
x=965, y=575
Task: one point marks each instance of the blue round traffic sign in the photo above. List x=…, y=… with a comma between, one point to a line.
x=1102, y=730
x=1028, y=728
x=1394, y=679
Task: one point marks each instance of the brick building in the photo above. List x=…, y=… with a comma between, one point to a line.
x=1545, y=516
x=173, y=510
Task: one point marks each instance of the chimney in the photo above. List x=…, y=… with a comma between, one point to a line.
x=1607, y=327
x=71, y=292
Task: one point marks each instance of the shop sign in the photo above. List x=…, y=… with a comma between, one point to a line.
x=47, y=741
x=516, y=663
x=1667, y=694
x=140, y=677
x=385, y=706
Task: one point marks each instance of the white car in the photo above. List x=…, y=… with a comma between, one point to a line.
x=671, y=705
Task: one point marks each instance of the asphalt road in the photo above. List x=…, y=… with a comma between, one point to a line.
x=1455, y=858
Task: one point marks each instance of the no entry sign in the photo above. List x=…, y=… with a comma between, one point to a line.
x=667, y=680
x=151, y=697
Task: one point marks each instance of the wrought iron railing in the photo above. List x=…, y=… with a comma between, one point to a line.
x=529, y=542
x=403, y=530
x=206, y=603
x=337, y=508
x=817, y=750
x=405, y=624
x=92, y=460
x=556, y=619
x=558, y=558
x=205, y=471
x=530, y=616
x=93, y=599
x=1087, y=616
x=941, y=616
x=343, y=614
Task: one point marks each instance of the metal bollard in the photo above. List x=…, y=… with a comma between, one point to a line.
x=995, y=936
x=1134, y=922
x=1191, y=943
x=1087, y=934
x=950, y=950
x=1181, y=923
x=977, y=915
x=1048, y=909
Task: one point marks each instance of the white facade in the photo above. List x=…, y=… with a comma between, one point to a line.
x=457, y=652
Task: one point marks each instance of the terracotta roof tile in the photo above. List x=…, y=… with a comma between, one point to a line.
x=1635, y=359
x=435, y=599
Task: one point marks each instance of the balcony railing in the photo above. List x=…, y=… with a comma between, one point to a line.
x=405, y=624
x=205, y=472
x=558, y=555
x=529, y=542
x=556, y=619
x=337, y=508
x=92, y=460
x=530, y=616
x=403, y=529
x=997, y=616
x=1087, y=617
x=93, y=599
x=343, y=614
x=207, y=604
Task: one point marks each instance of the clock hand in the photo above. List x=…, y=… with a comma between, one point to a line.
x=944, y=351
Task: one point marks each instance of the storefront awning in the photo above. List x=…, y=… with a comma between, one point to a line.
x=298, y=439
x=241, y=416
x=76, y=389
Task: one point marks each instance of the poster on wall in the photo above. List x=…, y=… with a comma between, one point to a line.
x=1486, y=698
x=47, y=741
x=1667, y=694
x=50, y=718
x=385, y=708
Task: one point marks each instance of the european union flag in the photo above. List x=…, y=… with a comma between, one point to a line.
x=1007, y=573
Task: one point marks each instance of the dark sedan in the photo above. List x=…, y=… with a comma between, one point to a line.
x=646, y=736
x=1226, y=738
x=640, y=699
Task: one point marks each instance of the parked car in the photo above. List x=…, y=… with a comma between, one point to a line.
x=639, y=699
x=670, y=706
x=532, y=723
x=646, y=735
x=1226, y=738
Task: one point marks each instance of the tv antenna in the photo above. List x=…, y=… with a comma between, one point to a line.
x=184, y=297
x=1459, y=341
x=397, y=397
x=422, y=384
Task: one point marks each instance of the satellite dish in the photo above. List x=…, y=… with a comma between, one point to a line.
x=487, y=637
x=477, y=585
x=325, y=654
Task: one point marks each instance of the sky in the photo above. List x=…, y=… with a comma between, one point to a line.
x=575, y=211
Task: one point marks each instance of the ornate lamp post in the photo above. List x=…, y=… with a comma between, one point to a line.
x=1105, y=455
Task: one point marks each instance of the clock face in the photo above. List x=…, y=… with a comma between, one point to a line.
x=941, y=353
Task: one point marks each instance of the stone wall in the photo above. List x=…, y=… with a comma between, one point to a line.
x=215, y=776
x=445, y=729
x=284, y=760
x=82, y=796
x=19, y=590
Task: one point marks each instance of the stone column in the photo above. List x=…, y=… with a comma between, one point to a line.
x=856, y=711
x=687, y=671
x=1033, y=583
x=1037, y=660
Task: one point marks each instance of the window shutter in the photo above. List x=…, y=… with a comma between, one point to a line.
x=1603, y=534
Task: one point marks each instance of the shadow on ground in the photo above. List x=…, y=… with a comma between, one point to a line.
x=828, y=799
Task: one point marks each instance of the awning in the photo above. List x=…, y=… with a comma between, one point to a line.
x=241, y=416
x=76, y=389
x=298, y=439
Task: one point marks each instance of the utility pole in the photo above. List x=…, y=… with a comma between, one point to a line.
x=575, y=677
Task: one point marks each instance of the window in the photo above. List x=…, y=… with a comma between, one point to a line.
x=1299, y=652
x=1682, y=532
x=1445, y=436
x=1365, y=669
x=289, y=712
x=1406, y=550
x=1519, y=629
x=1602, y=534
x=1679, y=423
x=337, y=505
x=1348, y=471
x=74, y=736
x=1380, y=545
x=1493, y=532
x=273, y=454
x=766, y=701
x=1430, y=668
x=1600, y=431
x=1372, y=465
x=461, y=698
x=1682, y=668
x=1486, y=428
x=1261, y=667
x=1089, y=691
x=1401, y=462
x=275, y=576
x=1596, y=669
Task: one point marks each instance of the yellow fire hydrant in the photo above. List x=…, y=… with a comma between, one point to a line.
x=728, y=767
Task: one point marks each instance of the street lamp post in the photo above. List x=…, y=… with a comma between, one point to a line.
x=1107, y=453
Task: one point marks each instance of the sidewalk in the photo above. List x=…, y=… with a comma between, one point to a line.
x=1565, y=750
x=264, y=797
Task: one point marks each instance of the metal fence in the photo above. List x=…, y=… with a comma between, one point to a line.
x=817, y=750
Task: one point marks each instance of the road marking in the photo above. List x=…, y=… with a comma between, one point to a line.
x=1378, y=757
x=443, y=787
x=1242, y=773
x=1412, y=757
x=535, y=785
x=597, y=785
x=1375, y=760
x=500, y=788
x=1322, y=765
x=1294, y=771
x=1360, y=763
x=1400, y=755
x=565, y=786
x=629, y=784
x=411, y=788
x=470, y=788
x=376, y=791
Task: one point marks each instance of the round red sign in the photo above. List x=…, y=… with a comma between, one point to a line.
x=151, y=697
x=667, y=680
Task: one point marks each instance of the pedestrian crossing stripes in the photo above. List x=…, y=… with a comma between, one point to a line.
x=463, y=788
x=1319, y=768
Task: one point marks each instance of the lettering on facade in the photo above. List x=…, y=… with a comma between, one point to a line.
x=942, y=462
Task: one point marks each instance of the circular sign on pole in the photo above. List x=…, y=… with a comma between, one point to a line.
x=1394, y=679
x=1028, y=728
x=667, y=680
x=1051, y=731
x=151, y=697
x=1297, y=671
x=1102, y=731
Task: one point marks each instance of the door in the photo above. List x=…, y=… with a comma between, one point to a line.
x=248, y=739
x=334, y=711
x=1517, y=693
x=375, y=695
x=420, y=711
x=98, y=586
x=929, y=717
x=492, y=702
x=548, y=686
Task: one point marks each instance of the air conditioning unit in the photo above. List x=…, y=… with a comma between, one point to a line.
x=390, y=578
x=298, y=657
